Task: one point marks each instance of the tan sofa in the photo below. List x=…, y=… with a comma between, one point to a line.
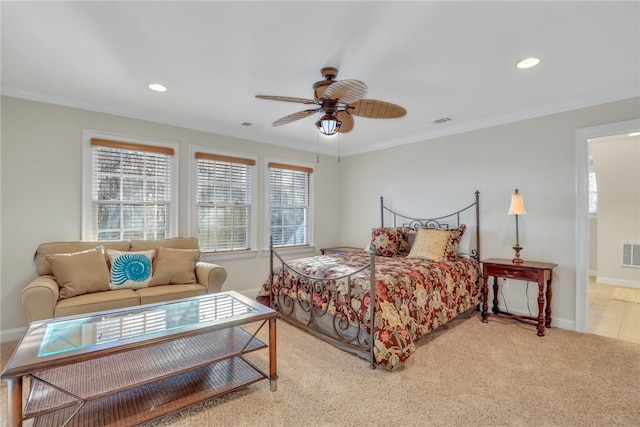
x=45, y=298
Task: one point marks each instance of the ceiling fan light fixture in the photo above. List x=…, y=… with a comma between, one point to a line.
x=328, y=124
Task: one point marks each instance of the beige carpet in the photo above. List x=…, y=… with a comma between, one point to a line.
x=626, y=294
x=472, y=374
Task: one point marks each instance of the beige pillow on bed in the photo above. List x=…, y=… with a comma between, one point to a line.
x=430, y=244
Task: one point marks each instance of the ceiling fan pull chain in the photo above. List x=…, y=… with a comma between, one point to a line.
x=317, y=146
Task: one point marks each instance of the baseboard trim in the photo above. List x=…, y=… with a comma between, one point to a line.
x=12, y=335
x=250, y=293
x=617, y=282
x=18, y=333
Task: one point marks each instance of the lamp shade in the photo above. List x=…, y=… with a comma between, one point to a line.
x=328, y=124
x=517, y=204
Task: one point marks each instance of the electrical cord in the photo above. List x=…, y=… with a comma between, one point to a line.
x=503, y=298
x=526, y=292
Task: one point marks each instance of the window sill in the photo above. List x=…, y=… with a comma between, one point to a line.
x=291, y=250
x=216, y=256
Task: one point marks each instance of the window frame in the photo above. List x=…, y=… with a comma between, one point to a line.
x=193, y=197
x=310, y=245
x=88, y=231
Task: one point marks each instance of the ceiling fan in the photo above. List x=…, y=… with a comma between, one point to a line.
x=338, y=102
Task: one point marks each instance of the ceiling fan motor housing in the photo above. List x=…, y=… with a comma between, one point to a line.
x=329, y=74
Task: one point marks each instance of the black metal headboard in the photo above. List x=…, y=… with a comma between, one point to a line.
x=441, y=222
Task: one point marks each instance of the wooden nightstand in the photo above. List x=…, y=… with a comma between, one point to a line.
x=539, y=272
x=339, y=249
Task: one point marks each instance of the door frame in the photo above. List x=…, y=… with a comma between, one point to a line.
x=582, y=210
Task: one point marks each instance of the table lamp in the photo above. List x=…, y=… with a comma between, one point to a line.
x=517, y=208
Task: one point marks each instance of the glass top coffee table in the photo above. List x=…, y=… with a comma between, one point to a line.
x=138, y=363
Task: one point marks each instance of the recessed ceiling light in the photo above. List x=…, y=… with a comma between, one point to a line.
x=634, y=134
x=528, y=63
x=157, y=87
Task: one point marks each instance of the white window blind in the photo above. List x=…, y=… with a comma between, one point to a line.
x=593, y=189
x=290, y=204
x=131, y=192
x=223, y=202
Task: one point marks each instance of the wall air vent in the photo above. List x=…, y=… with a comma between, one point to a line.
x=442, y=120
x=630, y=254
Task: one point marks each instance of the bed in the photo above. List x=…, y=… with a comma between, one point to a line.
x=426, y=274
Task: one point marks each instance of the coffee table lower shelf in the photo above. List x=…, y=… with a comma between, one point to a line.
x=145, y=403
x=137, y=386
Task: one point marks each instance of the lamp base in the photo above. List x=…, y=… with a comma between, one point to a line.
x=517, y=259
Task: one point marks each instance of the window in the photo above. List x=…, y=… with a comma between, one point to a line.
x=131, y=192
x=224, y=201
x=593, y=189
x=290, y=204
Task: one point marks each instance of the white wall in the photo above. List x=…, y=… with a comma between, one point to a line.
x=537, y=156
x=41, y=191
x=617, y=166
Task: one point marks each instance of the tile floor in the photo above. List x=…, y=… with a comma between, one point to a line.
x=610, y=317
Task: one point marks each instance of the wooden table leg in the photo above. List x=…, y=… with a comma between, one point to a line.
x=547, y=317
x=485, y=298
x=14, y=402
x=541, y=302
x=495, y=309
x=273, y=367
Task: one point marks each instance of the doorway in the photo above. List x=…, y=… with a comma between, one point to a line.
x=582, y=216
x=614, y=200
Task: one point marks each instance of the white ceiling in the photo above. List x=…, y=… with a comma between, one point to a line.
x=436, y=59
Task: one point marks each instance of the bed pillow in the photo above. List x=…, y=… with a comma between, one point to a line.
x=175, y=266
x=455, y=235
x=80, y=273
x=431, y=244
x=130, y=270
x=464, y=248
x=390, y=242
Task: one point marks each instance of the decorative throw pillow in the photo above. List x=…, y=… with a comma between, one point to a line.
x=390, y=242
x=455, y=235
x=80, y=273
x=130, y=270
x=430, y=244
x=175, y=266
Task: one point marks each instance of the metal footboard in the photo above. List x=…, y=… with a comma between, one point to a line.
x=300, y=300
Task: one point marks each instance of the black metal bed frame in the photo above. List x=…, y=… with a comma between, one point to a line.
x=343, y=328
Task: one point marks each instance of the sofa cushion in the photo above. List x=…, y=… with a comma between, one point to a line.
x=130, y=270
x=174, y=266
x=80, y=273
x=98, y=301
x=43, y=267
x=174, y=243
x=169, y=292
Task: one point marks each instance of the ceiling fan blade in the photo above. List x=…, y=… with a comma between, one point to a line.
x=347, y=121
x=374, y=109
x=295, y=116
x=346, y=91
x=287, y=99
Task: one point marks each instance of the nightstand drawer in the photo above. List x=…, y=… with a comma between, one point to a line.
x=512, y=272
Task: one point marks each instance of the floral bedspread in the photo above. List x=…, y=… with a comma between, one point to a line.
x=413, y=296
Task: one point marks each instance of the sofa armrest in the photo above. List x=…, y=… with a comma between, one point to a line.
x=211, y=276
x=39, y=298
